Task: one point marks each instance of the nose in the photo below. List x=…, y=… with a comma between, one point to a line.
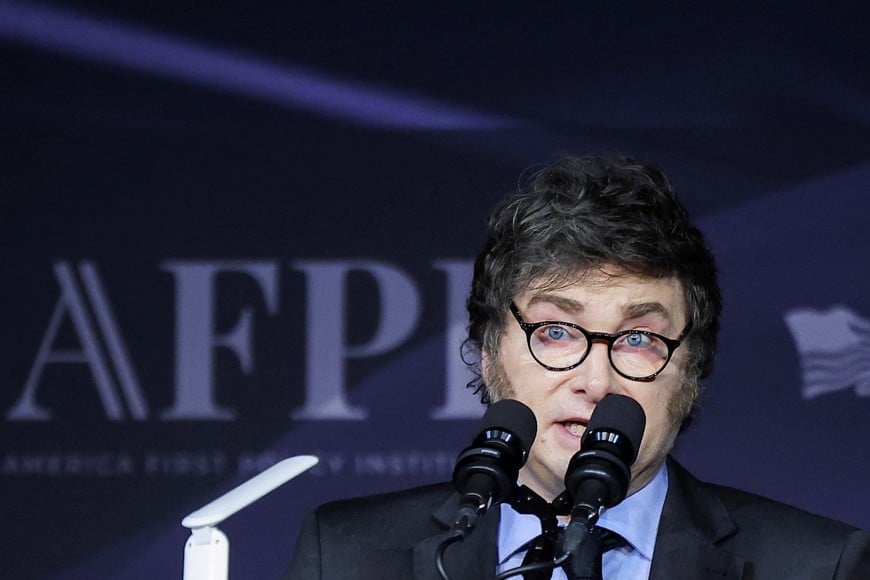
x=595, y=377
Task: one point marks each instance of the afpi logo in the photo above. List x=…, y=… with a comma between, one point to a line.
x=834, y=348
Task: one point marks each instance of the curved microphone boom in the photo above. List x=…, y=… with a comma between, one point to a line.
x=486, y=473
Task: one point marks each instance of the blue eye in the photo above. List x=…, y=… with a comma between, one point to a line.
x=636, y=340
x=556, y=333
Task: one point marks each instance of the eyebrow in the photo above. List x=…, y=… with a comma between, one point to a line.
x=569, y=305
x=629, y=311
x=641, y=309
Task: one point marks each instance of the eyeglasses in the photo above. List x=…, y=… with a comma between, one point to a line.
x=638, y=355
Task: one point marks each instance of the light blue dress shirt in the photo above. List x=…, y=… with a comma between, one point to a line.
x=636, y=519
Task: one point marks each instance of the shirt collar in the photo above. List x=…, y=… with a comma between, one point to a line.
x=515, y=531
x=636, y=519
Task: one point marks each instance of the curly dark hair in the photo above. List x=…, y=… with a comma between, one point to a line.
x=586, y=212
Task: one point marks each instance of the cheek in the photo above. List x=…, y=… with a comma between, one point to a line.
x=661, y=429
x=660, y=432
x=515, y=376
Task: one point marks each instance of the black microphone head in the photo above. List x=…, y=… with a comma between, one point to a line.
x=599, y=474
x=489, y=468
x=486, y=473
x=512, y=416
x=621, y=414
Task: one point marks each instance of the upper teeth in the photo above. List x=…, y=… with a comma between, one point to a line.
x=575, y=428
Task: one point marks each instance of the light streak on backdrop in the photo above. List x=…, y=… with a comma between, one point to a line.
x=103, y=41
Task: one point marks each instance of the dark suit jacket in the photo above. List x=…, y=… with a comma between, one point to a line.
x=706, y=531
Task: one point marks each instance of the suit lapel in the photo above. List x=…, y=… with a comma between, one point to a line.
x=475, y=558
x=694, y=522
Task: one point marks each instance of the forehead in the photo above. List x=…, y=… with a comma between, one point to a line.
x=609, y=291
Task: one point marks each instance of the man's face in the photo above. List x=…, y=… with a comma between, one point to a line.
x=605, y=300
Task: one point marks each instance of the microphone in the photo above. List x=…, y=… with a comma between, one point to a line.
x=486, y=473
x=598, y=475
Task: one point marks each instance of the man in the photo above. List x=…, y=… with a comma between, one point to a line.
x=592, y=282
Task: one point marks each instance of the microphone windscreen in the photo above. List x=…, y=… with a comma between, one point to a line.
x=514, y=417
x=622, y=414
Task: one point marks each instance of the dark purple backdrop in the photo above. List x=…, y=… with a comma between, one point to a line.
x=233, y=234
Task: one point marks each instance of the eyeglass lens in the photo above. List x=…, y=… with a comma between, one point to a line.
x=635, y=354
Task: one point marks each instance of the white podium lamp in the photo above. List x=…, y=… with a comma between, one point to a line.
x=207, y=550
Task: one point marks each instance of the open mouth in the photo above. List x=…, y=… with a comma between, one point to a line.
x=575, y=428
